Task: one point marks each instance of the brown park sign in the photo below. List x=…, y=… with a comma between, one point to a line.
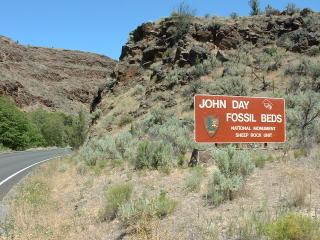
x=231, y=119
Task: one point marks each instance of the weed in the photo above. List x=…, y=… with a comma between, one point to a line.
x=300, y=152
x=137, y=211
x=194, y=179
x=298, y=193
x=35, y=192
x=234, y=15
x=125, y=119
x=115, y=196
x=292, y=226
x=260, y=159
x=183, y=19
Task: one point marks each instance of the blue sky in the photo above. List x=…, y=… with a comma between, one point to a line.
x=102, y=26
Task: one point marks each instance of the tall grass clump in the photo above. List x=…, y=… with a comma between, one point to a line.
x=294, y=226
x=136, y=212
x=194, y=179
x=233, y=167
x=35, y=192
x=260, y=159
x=115, y=197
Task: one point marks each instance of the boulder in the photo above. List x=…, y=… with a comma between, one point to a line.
x=142, y=31
x=152, y=52
x=227, y=37
x=197, y=53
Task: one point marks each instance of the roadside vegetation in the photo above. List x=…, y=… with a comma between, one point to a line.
x=20, y=130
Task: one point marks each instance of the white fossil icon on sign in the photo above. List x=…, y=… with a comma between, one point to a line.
x=267, y=104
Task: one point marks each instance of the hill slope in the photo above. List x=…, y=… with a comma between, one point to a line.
x=56, y=79
x=165, y=63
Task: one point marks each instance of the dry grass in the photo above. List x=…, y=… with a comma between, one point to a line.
x=73, y=201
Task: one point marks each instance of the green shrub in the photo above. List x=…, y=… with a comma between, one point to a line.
x=95, y=115
x=138, y=90
x=166, y=139
x=183, y=18
x=227, y=180
x=194, y=179
x=302, y=114
x=202, y=68
x=144, y=209
x=16, y=130
x=232, y=162
x=97, y=150
x=222, y=188
x=123, y=143
x=230, y=85
x=159, y=141
x=163, y=205
x=116, y=196
x=78, y=130
x=294, y=226
x=195, y=87
x=59, y=129
x=152, y=155
x=172, y=78
x=308, y=68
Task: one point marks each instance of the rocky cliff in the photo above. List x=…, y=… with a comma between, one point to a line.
x=165, y=63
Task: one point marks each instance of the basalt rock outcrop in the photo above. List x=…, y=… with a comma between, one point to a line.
x=156, y=48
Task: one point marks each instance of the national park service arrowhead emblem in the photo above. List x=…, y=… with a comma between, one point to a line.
x=211, y=124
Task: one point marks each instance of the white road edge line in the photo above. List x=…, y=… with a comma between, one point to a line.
x=15, y=174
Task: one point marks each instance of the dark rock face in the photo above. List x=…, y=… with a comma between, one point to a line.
x=197, y=53
x=154, y=50
x=227, y=37
x=21, y=96
x=150, y=41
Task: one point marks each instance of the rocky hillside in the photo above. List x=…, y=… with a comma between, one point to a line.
x=56, y=79
x=165, y=63
x=138, y=175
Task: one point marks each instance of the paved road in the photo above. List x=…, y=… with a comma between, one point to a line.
x=14, y=166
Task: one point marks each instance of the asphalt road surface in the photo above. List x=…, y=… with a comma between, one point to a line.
x=14, y=166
